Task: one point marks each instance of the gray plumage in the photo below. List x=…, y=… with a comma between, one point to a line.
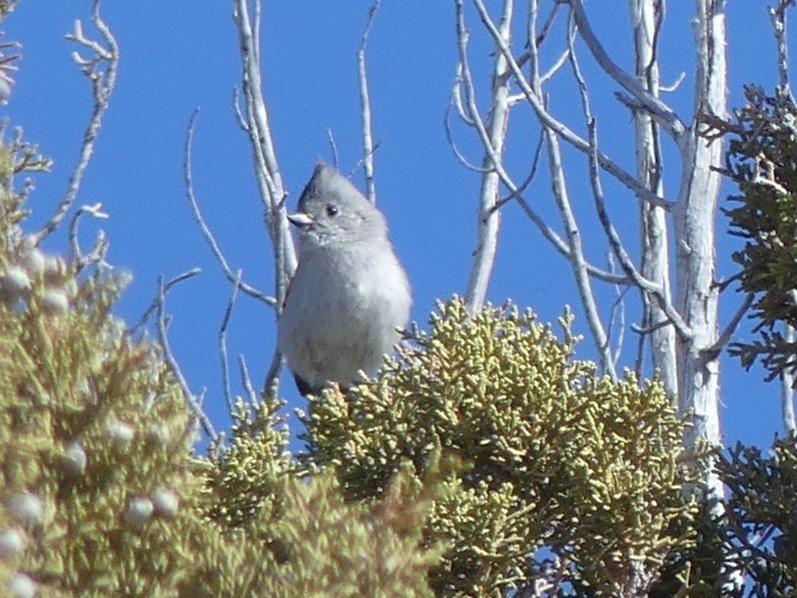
x=349, y=293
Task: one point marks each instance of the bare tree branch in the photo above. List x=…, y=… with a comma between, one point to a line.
x=778, y=16
x=246, y=380
x=333, y=148
x=731, y=327
x=469, y=112
x=617, y=316
x=225, y=366
x=206, y=232
x=535, y=162
x=239, y=115
x=450, y=137
x=562, y=197
x=647, y=18
x=100, y=69
x=555, y=67
x=658, y=109
x=625, y=261
x=548, y=121
x=269, y=178
x=194, y=402
x=365, y=108
x=154, y=304
x=493, y=141
x=100, y=249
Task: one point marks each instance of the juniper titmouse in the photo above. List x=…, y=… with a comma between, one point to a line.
x=349, y=292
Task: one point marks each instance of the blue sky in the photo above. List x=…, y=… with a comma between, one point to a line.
x=179, y=56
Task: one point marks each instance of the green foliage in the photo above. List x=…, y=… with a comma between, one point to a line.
x=761, y=515
x=568, y=475
x=100, y=493
x=94, y=439
x=244, y=475
x=762, y=160
x=16, y=157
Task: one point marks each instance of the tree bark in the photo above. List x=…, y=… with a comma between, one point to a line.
x=489, y=216
x=646, y=20
x=694, y=222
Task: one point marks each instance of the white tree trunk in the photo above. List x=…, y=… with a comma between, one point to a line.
x=646, y=20
x=489, y=215
x=683, y=330
x=694, y=221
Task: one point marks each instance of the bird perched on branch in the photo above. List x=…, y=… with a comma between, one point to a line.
x=349, y=294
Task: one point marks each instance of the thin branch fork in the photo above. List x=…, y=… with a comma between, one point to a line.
x=724, y=338
x=473, y=118
x=626, y=263
x=194, y=402
x=203, y=226
x=103, y=82
x=660, y=111
x=258, y=130
x=567, y=134
x=153, y=306
x=100, y=249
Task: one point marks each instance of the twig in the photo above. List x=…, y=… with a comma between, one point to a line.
x=675, y=84
x=456, y=92
x=239, y=115
x=558, y=64
x=723, y=284
x=535, y=162
x=540, y=37
x=246, y=380
x=333, y=148
x=206, y=232
x=193, y=402
x=450, y=137
x=365, y=108
x=600, y=206
x=269, y=178
x=660, y=111
x=102, y=82
x=225, y=366
x=153, y=306
x=100, y=249
x=549, y=122
x=617, y=312
x=724, y=338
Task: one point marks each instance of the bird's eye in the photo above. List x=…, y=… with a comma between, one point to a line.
x=332, y=210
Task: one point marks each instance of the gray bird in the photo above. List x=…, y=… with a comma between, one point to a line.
x=349, y=293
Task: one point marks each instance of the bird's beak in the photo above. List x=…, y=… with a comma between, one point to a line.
x=300, y=219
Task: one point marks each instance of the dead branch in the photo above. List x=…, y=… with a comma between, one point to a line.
x=100, y=69
x=365, y=109
x=203, y=226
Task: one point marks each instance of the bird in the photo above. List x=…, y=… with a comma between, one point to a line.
x=349, y=296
